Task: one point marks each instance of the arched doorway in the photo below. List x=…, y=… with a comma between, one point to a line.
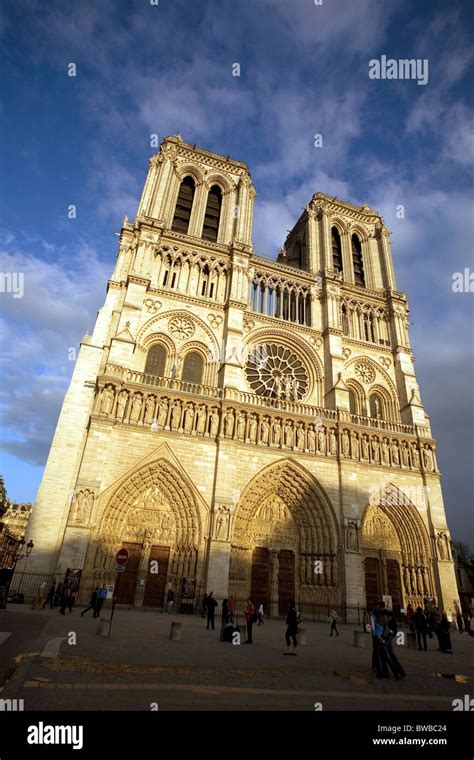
x=396, y=553
x=154, y=514
x=285, y=541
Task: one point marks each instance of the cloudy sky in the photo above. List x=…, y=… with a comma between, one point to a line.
x=146, y=69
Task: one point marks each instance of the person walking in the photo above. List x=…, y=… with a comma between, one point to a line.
x=101, y=597
x=419, y=620
x=250, y=616
x=211, y=605
x=92, y=602
x=66, y=599
x=204, y=605
x=333, y=618
x=379, y=655
x=58, y=594
x=260, y=614
x=225, y=612
x=390, y=633
x=444, y=635
x=291, y=634
x=38, y=601
x=50, y=596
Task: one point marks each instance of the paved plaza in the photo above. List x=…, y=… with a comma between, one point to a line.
x=140, y=668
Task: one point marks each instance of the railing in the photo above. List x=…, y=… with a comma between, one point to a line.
x=168, y=383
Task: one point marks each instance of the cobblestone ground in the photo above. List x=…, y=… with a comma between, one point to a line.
x=140, y=668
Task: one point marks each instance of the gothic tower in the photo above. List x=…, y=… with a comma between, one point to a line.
x=253, y=425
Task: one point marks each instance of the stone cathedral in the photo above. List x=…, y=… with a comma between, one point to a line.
x=254, y=425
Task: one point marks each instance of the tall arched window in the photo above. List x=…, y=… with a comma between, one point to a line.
x=357, y=261
x=344, y=320
x=376, y=407
x=156, y=361
x=184, y=205
x=193, y=367
x=352, y=403
x=336, y=250
x=213, y=214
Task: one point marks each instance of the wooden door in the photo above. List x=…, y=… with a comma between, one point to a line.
x=372, y=587
x=155, y=583
x=259, y=586
x=394, y=584
x=127, y=585
x=286, y=580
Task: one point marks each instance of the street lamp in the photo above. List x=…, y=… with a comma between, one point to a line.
x=19, y=555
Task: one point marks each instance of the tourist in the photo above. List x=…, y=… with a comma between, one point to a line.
x=390, y=633
x=444, y=635
x=203, y=605
x=333, y=618
x=251, y=618
x=260, y=614
x=379, y=655
x=211, y=605
x=410, y=622
x=170, y=600
x=459, y=621
x=419, y=620
x=366, y=622
x=66, y=599
x=291, y=634
x=58, y=594
x=225, y=612
x=92, y=602
x=101, y=597
x=38, y=601
x=50, y=596
x=230, y=606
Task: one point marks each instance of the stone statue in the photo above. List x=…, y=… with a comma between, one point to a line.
x=345, y=444
x=300, y=436
x=332, y=442
x=149, y=409
x=395, y=453
x=365, y=448
x=288, y=383
x=311, y=440
x=415, y=457
x=375, y=450
x=121, y=404
x=214, y=422
x=163, y=412
x=377, y=407
x=385, y=452
x=229, y=424
x=289, y=435
x=278, y=386
x=136, y=408
x=201, y=420
x=427, y=458
x=222, y=523
x=253, y=426
x=241, y=422
x=107, y=400
x=265, y=431
x=322, y=440
x=442, y=546
x=352, y=538
x=405, y=455
x=354, y=445
x=189, y=418
x=176, y=415
x=276, y=432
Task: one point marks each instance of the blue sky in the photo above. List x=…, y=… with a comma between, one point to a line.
x=143, y=70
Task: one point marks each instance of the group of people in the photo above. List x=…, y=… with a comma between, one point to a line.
x=384, y=630
x=63, y=595
x=428, y=622
x=96, y=601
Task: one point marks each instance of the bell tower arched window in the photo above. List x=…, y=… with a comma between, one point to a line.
x=193, y=367
x=213, y=214
x=156, y=361
x=184, y=205
x=357, y=261
x=336, y=250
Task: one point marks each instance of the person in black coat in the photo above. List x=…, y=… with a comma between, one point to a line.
x=292, y=628
x=421, y=626
x=50, y=597
x=211, y=605
x=444, y=635
x=92, y=602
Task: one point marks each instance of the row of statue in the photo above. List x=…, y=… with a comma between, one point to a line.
x=201, y=419
x=416, y=580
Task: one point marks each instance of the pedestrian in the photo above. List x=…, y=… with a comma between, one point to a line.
x=225, y=612
x=58, y=594
x=230, y=607
x=444, y=635
x=170, y=600
x=101, y=597
x=211, y=605
x=260, y=614
x=3, y=597
x=459, y=621
x=204, y=605
x=390, y=634
x=419, y=620
x=38, y=601
x=92, y=602
x=66, y=599
x=410, y=614
x=251, y=619
x=379, y=655
x=291, y=634
x=50, y=596
x=333, y=618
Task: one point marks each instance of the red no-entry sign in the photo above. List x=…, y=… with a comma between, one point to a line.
x=122, y=557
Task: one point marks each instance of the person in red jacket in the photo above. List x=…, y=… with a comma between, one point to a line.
x=250, y=615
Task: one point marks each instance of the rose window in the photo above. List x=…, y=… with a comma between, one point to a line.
x=277, y=372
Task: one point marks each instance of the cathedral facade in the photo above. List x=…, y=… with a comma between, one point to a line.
x=254, y=426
